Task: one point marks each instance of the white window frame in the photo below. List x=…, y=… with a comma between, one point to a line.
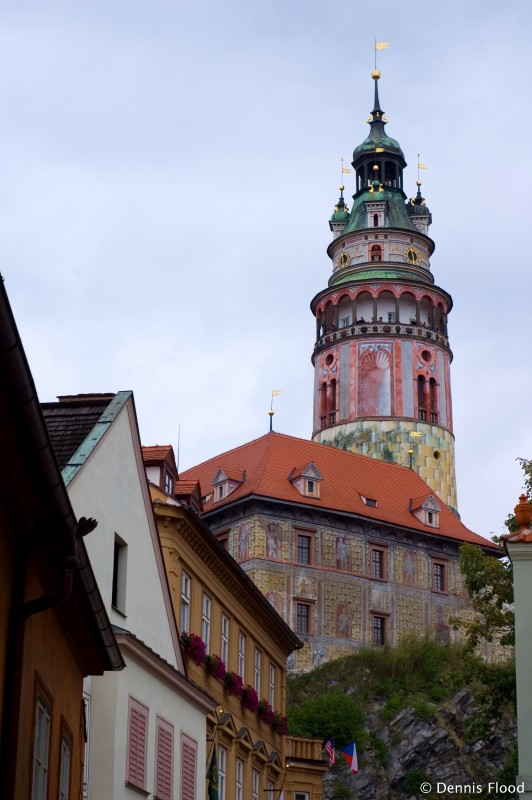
x=255, y=783
x=272, y=685
x=184, y=615
x=242, y=654
x=239, y=782
x=257, y=670
x=222, y=772
x=224, y=649
x=41, y=745
x=206, y=610
x=65, y=767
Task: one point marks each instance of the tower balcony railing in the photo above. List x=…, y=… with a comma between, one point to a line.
x=366, y=329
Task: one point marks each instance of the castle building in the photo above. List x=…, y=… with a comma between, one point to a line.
x=382, y=356
x=357, y=543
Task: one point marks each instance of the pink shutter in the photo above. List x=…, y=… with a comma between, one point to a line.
x=188, y=767
x=164, y=760
x=136, y=748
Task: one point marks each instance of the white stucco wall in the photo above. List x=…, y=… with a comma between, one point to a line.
x=111, y=487
x=108, y=737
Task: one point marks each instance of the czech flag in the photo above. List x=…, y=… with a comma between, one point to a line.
x=350, y=755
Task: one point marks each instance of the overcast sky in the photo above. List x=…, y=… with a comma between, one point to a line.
x=167, y=174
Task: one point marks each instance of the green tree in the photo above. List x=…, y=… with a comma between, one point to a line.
x=325, y=716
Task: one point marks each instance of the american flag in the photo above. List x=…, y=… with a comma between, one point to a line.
x=329, y=749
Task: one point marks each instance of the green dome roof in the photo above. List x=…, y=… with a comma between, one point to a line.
x=374, y=140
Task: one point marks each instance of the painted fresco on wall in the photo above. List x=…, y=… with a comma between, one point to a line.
x=244, y=534
x=374, y=380
x=273, y=539
x=343, y=620
x=275, y=599
x=409, y=568
x=343, y=553
x=380, y=600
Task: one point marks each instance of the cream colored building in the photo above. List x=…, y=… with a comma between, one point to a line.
x=214, y=599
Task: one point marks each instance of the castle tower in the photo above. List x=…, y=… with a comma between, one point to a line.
x=382, y=357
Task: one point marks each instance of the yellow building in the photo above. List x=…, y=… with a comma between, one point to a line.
x=220, y=607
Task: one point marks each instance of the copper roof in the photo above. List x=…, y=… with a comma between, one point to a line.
x=269, y=461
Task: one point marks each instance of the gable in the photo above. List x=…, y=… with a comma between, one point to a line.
x=110, y=485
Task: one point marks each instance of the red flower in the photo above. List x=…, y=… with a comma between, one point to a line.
x=215, y=666
x=233, y=683
x=194, y=647
x=250, y=698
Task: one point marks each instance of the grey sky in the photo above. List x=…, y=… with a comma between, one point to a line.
x=167, y=174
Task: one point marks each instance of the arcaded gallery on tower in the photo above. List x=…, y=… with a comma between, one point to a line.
x=353, y=535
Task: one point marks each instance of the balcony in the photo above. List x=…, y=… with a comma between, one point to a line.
x=370, y=329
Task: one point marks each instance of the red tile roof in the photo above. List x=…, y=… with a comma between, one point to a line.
x=269, y=460
x=157, y=454
x=185, y=487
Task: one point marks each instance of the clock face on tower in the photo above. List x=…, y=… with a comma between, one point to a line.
x=412, y=255
x=343, y=260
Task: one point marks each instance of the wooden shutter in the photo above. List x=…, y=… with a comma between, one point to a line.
x=164, y=760
x=136, y=746
x=188, y=767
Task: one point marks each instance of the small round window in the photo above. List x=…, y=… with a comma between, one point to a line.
x=426, y=356
x=437, y=454
x=329, y=359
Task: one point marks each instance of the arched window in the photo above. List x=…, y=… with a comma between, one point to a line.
x=322, y=402
x=331, y=405
x=375, y=220
x=421, y=407
x=433, y=390
x=376, y=253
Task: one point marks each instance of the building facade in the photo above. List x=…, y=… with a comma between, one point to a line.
x=54, y=629
x=382, y=356
x=351, y=551
x=215, y=600
x=146, y=725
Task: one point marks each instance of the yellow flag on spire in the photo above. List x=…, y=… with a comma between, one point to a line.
x=344, y=170
x=381, y=45
x=276, y=392
x=421, y=166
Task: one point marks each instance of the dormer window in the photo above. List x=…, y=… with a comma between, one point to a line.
x=168, y=483
x=226, y=481
x=427, y=510
x=306, y=481
x=369, y=501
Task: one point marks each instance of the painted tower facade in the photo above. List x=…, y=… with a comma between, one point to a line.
x=382, y=357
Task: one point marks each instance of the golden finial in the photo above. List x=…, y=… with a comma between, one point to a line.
x=375, y=74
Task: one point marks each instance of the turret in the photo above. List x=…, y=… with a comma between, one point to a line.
x=382, y=356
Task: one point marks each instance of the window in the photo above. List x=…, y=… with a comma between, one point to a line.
x=375, y=220
x=86, y=759
x=241, y=654
x=222, y=772
x=118, y=597
x=188, y=767
x=302, y=618
x=224, y=650
x=206, y=622
x=345, y=321
x=136, y=745
x=239, y=779
x=379, y=630
x=223, y=538
x=168, y=483
x=311, y=487
x=185, y=603
x=300, y=796
x=255, y=786
x=164, y=760
x=271, y=694
x=258, y=661
x=369, y=501
x=220, y=491
x=378, y=563
x=439, y=576
x=376, y=253
x=64, y=767
x=40, y=749
x=304, y=543
x=391, y=316
x=269, y=794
